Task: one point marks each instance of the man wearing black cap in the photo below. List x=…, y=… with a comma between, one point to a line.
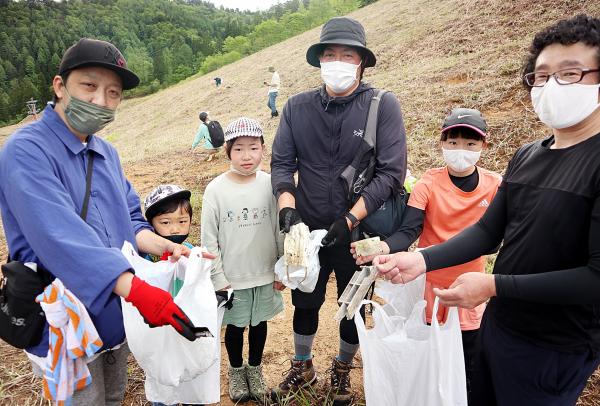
x=67, y=207
x=319, y=134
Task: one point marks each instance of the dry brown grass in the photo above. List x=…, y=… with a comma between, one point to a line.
x=434, y=55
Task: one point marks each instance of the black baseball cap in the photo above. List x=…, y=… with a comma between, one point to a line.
x=341, y=31
x=470, y=118
x=93, y=52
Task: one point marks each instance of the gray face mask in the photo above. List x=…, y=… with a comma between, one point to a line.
x=87, y=118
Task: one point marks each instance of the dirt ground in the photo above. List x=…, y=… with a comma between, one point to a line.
x=19, y=387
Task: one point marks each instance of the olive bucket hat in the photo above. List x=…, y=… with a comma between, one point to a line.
x=341, y=31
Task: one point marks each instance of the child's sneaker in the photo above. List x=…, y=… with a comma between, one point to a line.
x=238, y=387
x=256, y=383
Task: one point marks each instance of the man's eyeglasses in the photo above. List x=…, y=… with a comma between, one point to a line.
x=563, y=76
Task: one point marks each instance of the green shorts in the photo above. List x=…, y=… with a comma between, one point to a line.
x=253, y=305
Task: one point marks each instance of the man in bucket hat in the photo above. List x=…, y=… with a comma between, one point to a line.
x=74, y=232
x=320, y=132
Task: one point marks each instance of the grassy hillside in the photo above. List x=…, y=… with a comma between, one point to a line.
x=433, y=54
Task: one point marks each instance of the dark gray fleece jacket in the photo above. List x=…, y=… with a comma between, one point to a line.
x=318, y=136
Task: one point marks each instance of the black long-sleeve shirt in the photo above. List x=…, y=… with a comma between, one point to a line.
x=547, y=274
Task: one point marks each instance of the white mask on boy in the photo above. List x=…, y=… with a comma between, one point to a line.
x=562, y=106
x=338, y=76
x=459, y=160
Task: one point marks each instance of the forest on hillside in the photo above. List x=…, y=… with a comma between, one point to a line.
x=163, y=41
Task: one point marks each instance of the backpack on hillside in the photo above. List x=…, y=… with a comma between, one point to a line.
x=217, y=137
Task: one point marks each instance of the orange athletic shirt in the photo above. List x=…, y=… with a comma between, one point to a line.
x=448, y=211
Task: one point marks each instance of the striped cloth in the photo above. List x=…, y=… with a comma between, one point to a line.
x=72, y=338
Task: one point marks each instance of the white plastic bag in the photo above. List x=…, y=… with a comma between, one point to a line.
x=406, y=362
x=299, y=277
x=166, y=356
x=203, y=389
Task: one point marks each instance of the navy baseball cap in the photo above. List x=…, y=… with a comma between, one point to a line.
x=93, y=52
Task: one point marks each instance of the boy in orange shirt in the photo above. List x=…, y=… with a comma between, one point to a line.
x=445, y=201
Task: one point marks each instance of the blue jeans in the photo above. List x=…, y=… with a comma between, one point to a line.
x=271, y=101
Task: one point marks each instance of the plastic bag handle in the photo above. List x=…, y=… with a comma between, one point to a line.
x=384, y=316
x=452, y=314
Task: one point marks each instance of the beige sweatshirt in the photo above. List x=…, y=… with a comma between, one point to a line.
x=239, y=225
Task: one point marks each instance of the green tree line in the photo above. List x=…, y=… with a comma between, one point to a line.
x=164, y=41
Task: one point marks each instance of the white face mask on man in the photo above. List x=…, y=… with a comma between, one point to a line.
x=562, y=106
x=459, y=160
x=339, y=76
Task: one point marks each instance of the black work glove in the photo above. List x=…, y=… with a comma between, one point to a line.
x=338, y=234
x=288, y=216
x=222, y=297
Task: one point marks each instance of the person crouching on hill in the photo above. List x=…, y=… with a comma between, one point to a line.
x=203, y=135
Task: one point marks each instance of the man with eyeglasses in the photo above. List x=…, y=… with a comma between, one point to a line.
x=320, y=132
x=540, y=335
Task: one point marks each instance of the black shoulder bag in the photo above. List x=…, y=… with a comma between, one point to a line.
x=384, y=221
x=22, y=319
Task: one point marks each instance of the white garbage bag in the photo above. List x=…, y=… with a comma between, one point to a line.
x=407, y=362
x=163, y=354
x=203, y=389
x=299, y=277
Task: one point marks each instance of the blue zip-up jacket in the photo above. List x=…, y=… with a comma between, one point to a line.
x=318, y=136
x=42, y=186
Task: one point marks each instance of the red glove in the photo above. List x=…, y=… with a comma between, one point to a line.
x=165, y=256
x=158, y=309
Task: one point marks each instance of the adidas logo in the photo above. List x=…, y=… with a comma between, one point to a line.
x=483, y=203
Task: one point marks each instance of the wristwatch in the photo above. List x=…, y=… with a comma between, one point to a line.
x=353, y=220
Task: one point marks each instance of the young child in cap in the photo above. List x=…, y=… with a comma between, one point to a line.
x=443, y=202
x=169, y=212
x=239, y=224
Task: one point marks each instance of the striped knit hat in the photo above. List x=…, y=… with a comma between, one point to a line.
x=243, y=127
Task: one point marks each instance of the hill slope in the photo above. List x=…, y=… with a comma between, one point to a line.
x=433, y=54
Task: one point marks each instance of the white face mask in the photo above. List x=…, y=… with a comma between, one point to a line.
x=459, y=160
x=339, y=76
x=244, y=173
x=562, y=106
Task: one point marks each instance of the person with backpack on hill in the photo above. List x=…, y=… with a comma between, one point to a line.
x=539, y=340
x=444, y=202
x=211, y=133
x=319, y=133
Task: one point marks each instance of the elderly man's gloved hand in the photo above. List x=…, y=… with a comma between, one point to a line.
x=288, y=216
x=158, y=309
x=338, y=234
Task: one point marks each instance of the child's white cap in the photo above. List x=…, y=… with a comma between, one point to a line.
x=161, y=194
x=243, y=127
